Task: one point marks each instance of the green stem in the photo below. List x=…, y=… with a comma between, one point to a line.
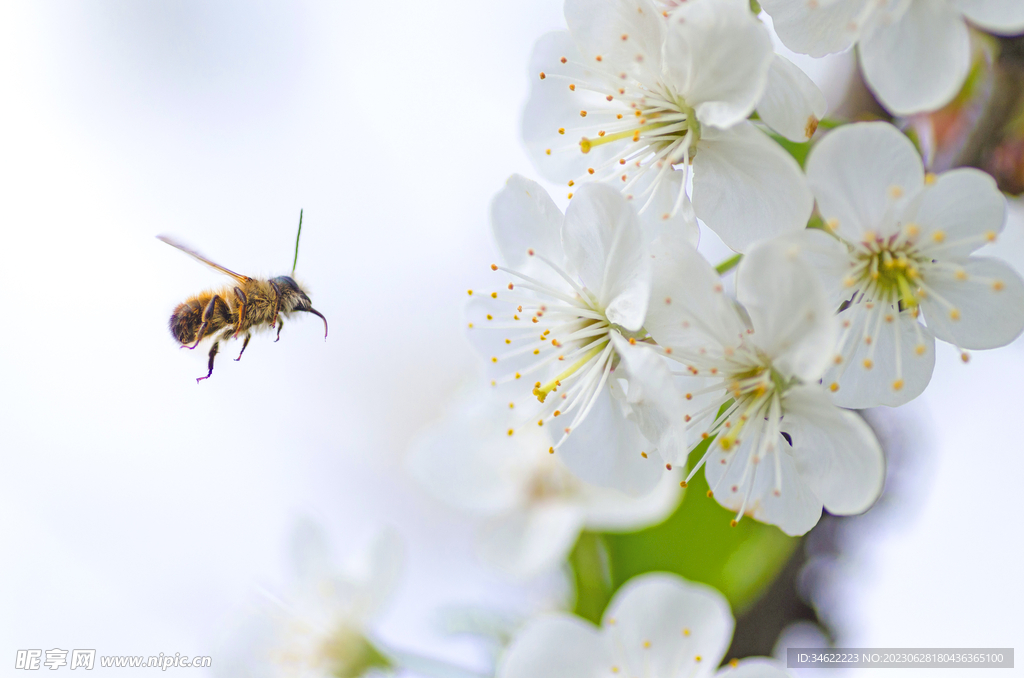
x=728, y=264
x=591, y=567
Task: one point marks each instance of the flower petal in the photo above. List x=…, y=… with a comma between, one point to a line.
x=717, y=57
x=816, y=28
x=606, y=450
x=755, y=667
x=662, y=623
x=792, y=104
x=791, y=316
x=1002, y=17
x=689, y=310
x=524, y=218
x=920, y=62
x=860, y=387
x=959, y=212
x=468, y=461
x=611, y=511
x=604, y=243
x=626, y=34
x=736, y=479
x=862, y=174
x=553, y=106
x=746, y=188
x=654, y=403
x=555, y=646
x=988, y=301
x=836, y=453
x=534, y=541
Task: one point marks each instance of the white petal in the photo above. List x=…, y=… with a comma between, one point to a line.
x=717, y=58
x=836, y=453
x=862, y=174
x=920, y=62
x=816, y=28
x=524, y=217
x=604, y=243
x=556, y=646
x=1003, y=17
x=792, y=104
x=861, y=387
x=963, y=204
x=987, y=317
x=469, y=461
x=654, y=403
x=553, y=106
x=795, y=510
x=606, y=448
x=689, y=310
x=598, y=27
x=793, y=321
x=660, y=623
x=530, y=542
x=611, y=511
x=755, y=667
x=746, y=188
x=827, y=256
x=656, y=218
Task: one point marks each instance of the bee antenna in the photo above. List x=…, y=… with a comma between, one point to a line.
x=298, y=235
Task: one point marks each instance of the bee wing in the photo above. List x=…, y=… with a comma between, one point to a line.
x=200, y=257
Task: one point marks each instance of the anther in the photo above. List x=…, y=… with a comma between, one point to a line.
x=551, y=450
x=570, y=196
x=542, y=76
x=598, y=57
x=511, y=431
x=583, y=114
x=469, y=292
x=643, y=454
x=547, y=151
x=711, y=493
x=494, y=267
x=590, y=170
x=833, y=387
x=954, y=314
x=990, y=236
x=563, y=60
x=920, y=349
x=868, y=364
x=897, y=385
x=965, y=356
x=494, y=295
x=929, y=178
x=600, y=133
x=939, y=236
x=572, y=88
x=561, y=130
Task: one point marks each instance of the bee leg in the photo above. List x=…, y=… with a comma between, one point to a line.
x=277, y=306
x=245, y=343
x=242, y=301
x=280, y=326
x=213, y=354
x=208, y=313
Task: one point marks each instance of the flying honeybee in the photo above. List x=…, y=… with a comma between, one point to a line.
x=249, y=305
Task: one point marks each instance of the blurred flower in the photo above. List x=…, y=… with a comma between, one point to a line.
x=630, y=98
x=322, y=628
x=563, y=334
x=904, y=247
x=656, y=625
x=782, y=449
x=536, y=507
x=915, y=54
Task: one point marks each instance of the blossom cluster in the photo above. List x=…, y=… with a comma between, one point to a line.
x=619, y=362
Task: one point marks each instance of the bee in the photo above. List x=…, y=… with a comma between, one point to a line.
x=240, y=309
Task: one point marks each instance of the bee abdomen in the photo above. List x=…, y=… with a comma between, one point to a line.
x=185, y=321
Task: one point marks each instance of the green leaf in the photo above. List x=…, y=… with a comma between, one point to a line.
x=696, y=542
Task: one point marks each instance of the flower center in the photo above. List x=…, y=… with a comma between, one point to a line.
x=887, y=270
x=559, y=334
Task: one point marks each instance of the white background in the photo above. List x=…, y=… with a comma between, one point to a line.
x=140, y=512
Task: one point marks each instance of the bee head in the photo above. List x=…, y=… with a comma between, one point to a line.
x=293, y=298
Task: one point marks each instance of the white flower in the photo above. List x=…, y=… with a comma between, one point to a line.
x=632, y=98
x=536, y=507
x=321, y=628
x=657, y=625
x=558, y=338
x=915, y=54
x=904, y=249
x=782, y=449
